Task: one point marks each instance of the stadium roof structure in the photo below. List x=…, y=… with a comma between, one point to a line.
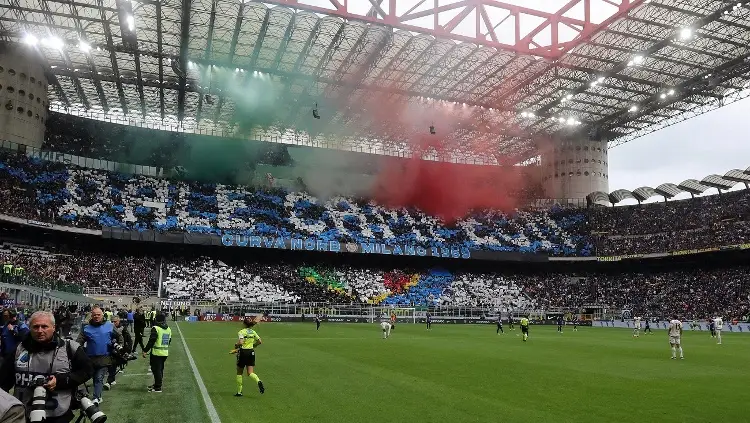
x=669, y=190
x=510, y=74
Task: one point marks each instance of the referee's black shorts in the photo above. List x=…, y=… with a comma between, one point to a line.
x=246, y=358
x=524, y=329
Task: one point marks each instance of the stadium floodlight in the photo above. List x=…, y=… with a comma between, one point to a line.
x=84, y=46
x=638, y=59
x=532, y=115
x=524, y=114
x=633, y=108
x=131, y=23
x=663, y=96
x=600, y=80
x=561, y=119
x=686, y=33
x=30, y=39
x=670, y=92
x=53, y=42
x=571, y=121
x=569, y=96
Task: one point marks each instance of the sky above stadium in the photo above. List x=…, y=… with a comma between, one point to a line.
x=712, y=143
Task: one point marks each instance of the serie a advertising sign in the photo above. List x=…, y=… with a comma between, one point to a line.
x=313, y=244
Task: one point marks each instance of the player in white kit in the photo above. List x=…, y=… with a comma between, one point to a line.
x=637, y=327
x=675, y=333
x=385, y=325
x=718, y=326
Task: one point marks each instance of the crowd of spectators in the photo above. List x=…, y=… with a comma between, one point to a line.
x=215, y=280
x=209, y=279
x=94, y=198
x=699, y=223
x=35, y=189
x=694, y=293
x=86, y=269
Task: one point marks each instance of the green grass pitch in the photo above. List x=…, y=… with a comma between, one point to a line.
x=345, y=373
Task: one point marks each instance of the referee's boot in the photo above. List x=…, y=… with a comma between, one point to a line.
x=261, y=389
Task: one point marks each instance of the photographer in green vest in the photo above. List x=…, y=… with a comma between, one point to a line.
x=158, y=344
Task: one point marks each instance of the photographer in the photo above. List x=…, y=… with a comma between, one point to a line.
x=125, y=348
x=61, y=365
x=64, y=321
x=97, y=336
x=11, y=409
x=12, y=333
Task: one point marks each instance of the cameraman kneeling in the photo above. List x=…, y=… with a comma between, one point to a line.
x=62, y=365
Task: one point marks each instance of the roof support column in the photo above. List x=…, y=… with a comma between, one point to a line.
x=574, y=168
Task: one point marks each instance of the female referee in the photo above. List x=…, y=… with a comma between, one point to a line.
x=245, y=350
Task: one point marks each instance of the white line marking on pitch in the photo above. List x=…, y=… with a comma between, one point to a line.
x=202, y=386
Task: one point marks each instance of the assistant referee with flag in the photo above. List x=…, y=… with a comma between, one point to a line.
x=158, y=344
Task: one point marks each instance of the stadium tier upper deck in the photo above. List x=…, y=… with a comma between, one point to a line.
x=69, y=195
x=93, y=198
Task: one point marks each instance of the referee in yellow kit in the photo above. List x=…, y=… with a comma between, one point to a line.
x=248, y=339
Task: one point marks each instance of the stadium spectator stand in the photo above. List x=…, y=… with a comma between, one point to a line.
x=69, y=269
x=90, y=198
x=41, y=190
x=692, y=291
x=695, y=293
x=209, y=279
x=702, y=222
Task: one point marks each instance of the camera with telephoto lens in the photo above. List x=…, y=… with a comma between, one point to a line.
x=89, y=408
x=121, y=354
x=38, y=412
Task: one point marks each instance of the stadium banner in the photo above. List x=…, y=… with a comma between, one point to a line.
x=739, y=327
x=38, y=223
x=299, y=243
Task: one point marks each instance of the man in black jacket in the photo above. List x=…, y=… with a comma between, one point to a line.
x=63, y=364
x=139, y=325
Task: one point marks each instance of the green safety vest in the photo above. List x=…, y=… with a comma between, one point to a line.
x=161, y=346
x=18, y=271
x=7, y=268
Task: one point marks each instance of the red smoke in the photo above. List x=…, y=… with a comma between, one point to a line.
x=441, y=189
x=446, y=189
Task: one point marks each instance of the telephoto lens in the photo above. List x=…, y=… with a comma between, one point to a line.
x=38, y=411
x=92, y=411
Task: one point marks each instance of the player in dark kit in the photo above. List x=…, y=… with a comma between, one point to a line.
x=510, y=323
x=648, y=328
x=429, y=321
x=318, y=318
x=560, y=323
x=499, y=325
